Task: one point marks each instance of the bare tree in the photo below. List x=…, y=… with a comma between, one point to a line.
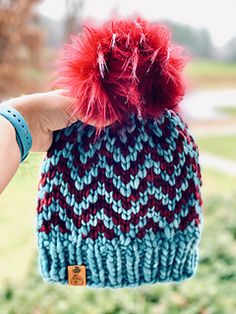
x=20, y=42
x=74, y=10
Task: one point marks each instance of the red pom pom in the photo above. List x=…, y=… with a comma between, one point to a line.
x=119, y=67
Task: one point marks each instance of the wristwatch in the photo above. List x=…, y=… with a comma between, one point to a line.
x=23, y=135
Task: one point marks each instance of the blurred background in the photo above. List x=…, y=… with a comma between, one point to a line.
x=31, y=33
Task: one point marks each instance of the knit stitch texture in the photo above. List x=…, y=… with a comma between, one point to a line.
x=127, y=206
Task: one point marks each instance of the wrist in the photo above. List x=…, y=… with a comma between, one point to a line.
x=22, y=132
x=8, y=132
x=6, y=126
x=23, y=107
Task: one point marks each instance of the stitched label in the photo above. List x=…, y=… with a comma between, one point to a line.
x=77, y=275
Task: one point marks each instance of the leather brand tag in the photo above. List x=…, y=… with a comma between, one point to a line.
x=77, y=275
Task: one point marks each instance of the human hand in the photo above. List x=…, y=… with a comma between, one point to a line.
x=44, y=113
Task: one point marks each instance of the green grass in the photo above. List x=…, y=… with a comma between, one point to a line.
x=217, y=183
x=17, y=204
x=223, y=146
x=23, y=291
x=229, y=110
x=208, y=74
x=211, y=67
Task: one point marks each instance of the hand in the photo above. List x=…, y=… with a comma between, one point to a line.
x=44, y=113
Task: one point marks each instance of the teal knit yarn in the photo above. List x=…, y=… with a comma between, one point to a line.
x=127, y=206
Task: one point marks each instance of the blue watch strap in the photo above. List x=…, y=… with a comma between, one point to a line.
x=23, y=136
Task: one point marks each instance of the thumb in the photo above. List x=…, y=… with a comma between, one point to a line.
x=60, y=92
x=68, y=113
x=60, y=112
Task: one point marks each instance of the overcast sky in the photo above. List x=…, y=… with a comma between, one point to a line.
x=218, y=16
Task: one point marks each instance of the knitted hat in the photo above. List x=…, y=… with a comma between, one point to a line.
x=120, y=205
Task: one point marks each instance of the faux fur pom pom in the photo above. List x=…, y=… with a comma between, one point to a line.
x=119, y=67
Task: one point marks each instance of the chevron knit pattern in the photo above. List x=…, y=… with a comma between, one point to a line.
x=127, y=206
